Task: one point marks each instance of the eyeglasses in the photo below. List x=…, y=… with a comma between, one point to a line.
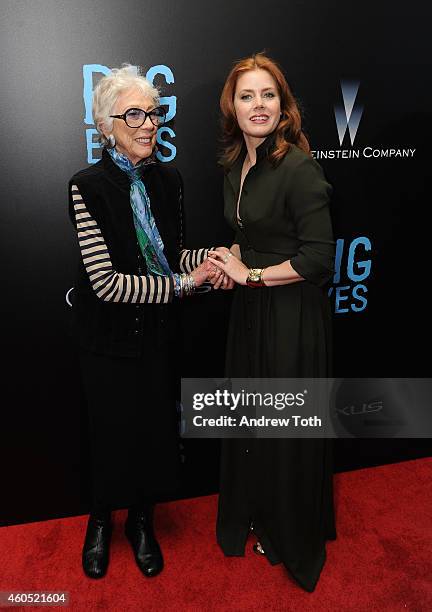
x=136, y=117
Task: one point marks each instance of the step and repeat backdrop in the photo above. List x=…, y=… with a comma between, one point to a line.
x=361, y=75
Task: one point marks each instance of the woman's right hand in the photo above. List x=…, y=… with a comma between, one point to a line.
x=201, y=273
x=207, y=271
x=230, y=265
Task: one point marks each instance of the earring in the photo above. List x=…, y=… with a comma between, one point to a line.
x=111, y=141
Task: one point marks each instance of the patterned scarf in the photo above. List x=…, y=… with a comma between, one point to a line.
x=149, y=239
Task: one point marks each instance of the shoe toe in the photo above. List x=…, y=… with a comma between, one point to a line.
x=93, y=569
x=150, y=567
x=152, y=571
x=258, y=549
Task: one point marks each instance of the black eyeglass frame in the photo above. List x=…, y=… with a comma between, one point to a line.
x=146, y=114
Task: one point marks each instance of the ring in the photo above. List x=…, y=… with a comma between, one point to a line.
x=225, y=259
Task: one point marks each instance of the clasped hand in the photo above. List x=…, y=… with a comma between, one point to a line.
x=222, y=269
x=229, y=265
x=208, y=271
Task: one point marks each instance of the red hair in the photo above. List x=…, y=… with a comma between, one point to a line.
x=288, y=131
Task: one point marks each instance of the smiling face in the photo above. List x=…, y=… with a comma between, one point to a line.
x=257, y=105
x=135, y=143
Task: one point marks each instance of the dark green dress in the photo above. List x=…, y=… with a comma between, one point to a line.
x=283, y=485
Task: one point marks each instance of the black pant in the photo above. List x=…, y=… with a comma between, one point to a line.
x=133, y=428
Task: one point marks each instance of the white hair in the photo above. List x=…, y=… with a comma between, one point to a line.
x=111, y=86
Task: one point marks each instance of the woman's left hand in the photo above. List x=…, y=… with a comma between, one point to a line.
x=230, y=265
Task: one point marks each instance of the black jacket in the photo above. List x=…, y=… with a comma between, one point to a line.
x=120, y=329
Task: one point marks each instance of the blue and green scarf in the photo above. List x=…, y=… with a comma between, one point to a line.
x=148, y=236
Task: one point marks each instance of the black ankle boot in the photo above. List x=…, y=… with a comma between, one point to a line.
x=139, y=531
x=95, y=554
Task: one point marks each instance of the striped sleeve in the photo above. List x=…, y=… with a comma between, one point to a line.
x=109, y=285
x=190, y=259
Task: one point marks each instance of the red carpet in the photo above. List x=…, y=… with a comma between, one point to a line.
x=382, y=559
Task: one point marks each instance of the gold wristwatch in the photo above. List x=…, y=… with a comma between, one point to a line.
x=255, y=278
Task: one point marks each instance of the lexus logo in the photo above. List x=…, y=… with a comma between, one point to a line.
x=68, y=302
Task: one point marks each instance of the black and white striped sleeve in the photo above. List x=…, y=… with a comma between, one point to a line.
x=190, y=259
x=109, y=285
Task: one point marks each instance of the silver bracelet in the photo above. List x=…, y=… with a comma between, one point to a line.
x=188, y=285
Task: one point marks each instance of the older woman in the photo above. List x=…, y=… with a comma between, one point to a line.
x=276, y=199
x=126, y=210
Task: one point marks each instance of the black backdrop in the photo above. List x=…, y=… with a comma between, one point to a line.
x=328, y=50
